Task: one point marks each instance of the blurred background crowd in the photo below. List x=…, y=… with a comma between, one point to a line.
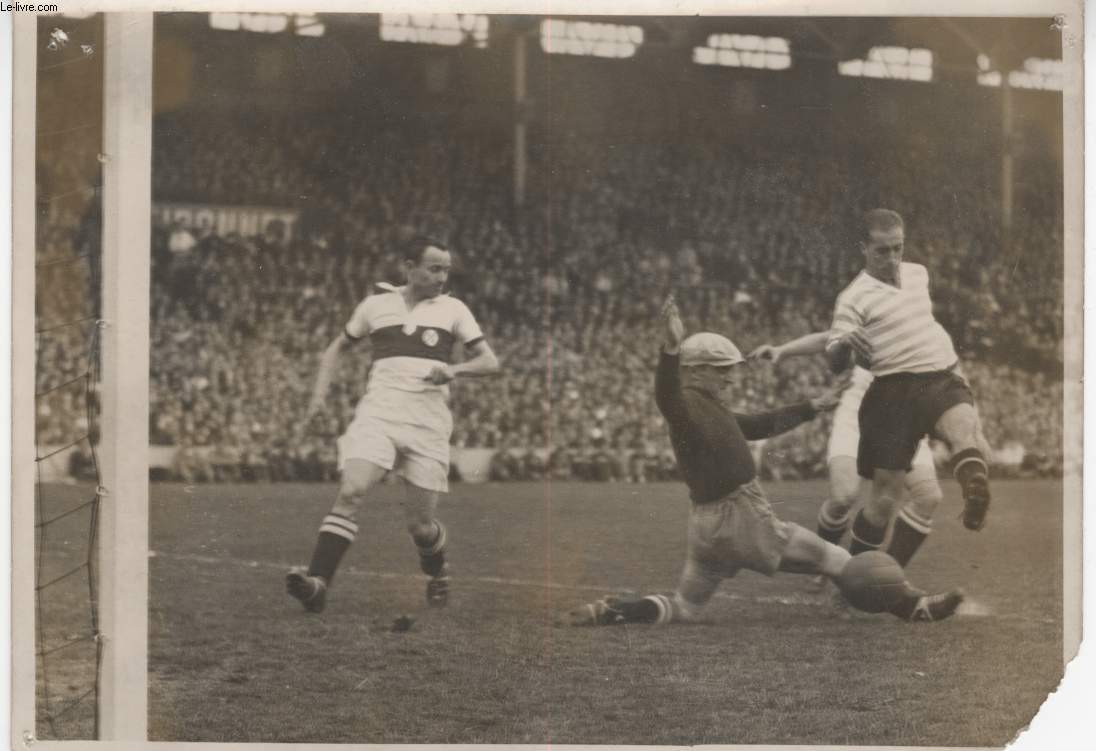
x=567, y=293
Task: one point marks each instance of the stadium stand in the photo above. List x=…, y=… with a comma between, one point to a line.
x=752, y=239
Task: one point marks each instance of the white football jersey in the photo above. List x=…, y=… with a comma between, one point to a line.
x=406, y=346
x=904, y=335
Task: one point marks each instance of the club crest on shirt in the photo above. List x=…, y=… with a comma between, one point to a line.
x=430, y=337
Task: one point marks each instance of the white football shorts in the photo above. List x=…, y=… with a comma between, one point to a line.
x=418, y=453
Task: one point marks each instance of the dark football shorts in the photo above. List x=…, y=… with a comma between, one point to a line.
x=899, y=410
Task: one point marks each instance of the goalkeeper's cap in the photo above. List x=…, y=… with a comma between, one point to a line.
x=707, y=348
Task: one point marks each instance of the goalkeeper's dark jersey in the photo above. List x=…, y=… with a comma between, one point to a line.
x=708, y=439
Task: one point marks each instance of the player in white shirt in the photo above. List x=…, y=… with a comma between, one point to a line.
x=921, y=484
x=884, y=321
x=403, y=423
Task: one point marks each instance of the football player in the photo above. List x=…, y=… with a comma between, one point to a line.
x=884, y=321
x=402, y=423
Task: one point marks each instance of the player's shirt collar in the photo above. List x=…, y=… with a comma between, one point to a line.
x=901, y=283
x=896, y=284
x=388, y=287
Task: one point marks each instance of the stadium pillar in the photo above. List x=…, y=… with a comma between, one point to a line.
x=24, y=35
x=520, y=115
x=123, y=535
x=1006, y=163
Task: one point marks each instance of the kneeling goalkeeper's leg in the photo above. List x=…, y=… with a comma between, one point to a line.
x=656, y=609
x=614, y=611
x=694, y=590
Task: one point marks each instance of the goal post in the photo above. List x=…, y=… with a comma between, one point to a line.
x=124, y=382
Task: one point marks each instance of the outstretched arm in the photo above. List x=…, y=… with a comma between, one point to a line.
x=845, y=349
x=328, y=360
x=768, y=424
x=809, y=344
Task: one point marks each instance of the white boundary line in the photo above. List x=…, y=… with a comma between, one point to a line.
x=970, y=608
x=277, y=566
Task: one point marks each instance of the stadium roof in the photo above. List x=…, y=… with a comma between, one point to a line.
x=955, y=41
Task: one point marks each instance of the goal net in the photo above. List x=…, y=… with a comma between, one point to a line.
x=66, y=423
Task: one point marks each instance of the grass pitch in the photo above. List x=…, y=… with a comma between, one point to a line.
x=232, y=658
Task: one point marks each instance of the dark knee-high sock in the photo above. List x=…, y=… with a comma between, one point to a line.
x=336, y=534
x=831, y=528
x=650, y=609
x=432, y=551
x=910, y=530
x=904, y=607
x=971, y=470
x=865, y=535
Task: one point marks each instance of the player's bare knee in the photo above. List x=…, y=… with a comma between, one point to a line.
x=841, y=500
x=925, y=496
x=880, y=508
x=423, y=529
x=350, y=499
x=962, y=442
x=982, y=444
x=355, y=484
x=887, y=489
x=844, y=486
x=958, y=427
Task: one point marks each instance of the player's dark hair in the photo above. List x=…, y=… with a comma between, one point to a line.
x=880, y=220
x=414, y=248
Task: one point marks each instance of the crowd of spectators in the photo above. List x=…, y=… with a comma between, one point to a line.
x=754, y=240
